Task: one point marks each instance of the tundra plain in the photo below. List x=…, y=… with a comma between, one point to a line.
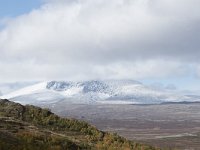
x=168, y=126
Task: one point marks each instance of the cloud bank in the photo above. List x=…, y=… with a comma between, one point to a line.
x=101, y=39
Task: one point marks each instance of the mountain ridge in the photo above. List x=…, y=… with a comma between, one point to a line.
x=96, y=92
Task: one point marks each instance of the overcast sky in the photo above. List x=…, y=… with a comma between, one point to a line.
x=146, y=40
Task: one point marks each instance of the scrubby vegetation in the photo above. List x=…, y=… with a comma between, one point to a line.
x=33, y=128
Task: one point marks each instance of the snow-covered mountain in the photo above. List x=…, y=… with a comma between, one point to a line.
x=94, y=92
x=6, y=88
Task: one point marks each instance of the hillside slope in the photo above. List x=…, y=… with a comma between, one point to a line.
x=33, y=128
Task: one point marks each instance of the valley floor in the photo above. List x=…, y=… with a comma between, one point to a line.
x=167, y=126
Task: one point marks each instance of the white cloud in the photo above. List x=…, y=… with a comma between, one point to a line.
x=78, y=39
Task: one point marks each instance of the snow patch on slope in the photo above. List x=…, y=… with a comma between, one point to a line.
x=25, y=91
